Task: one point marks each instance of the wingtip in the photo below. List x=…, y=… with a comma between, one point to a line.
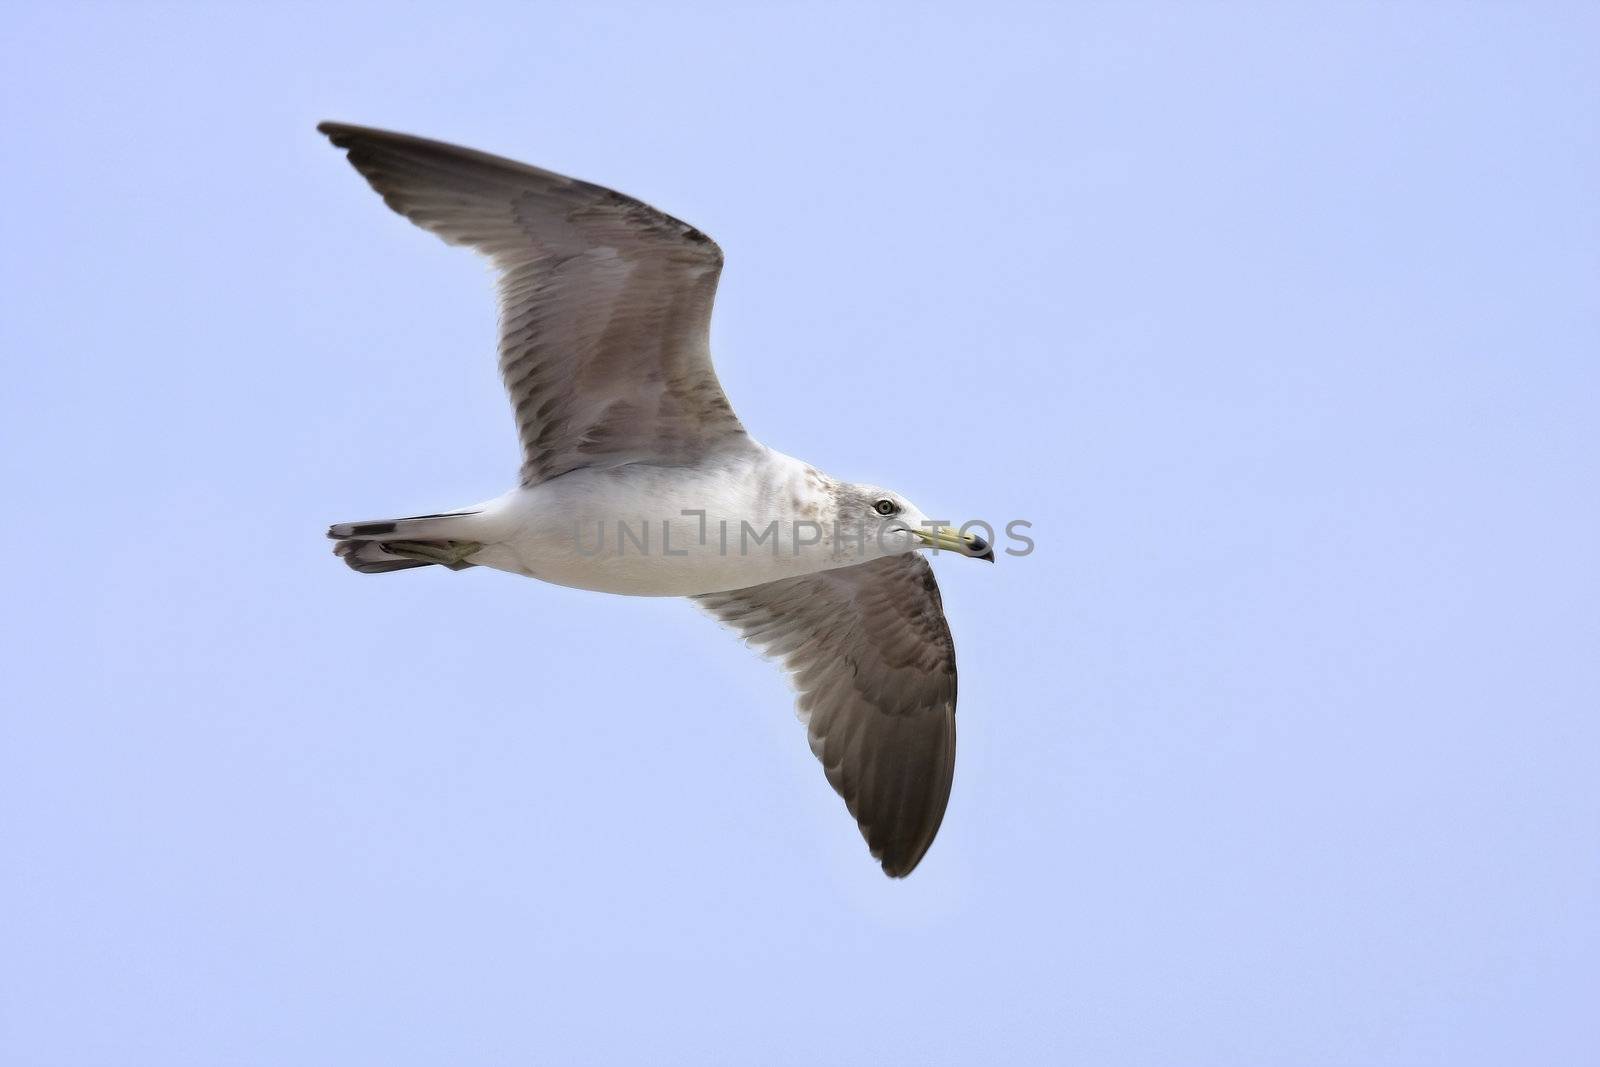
x=900, y=866
x=333, y=131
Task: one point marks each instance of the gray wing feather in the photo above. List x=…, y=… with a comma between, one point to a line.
x=605, y=302
x=871, y=657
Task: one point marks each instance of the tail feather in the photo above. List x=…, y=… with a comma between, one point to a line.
x=364, y=546
x=413, y=528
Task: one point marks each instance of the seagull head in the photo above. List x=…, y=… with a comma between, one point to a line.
x=903, y=526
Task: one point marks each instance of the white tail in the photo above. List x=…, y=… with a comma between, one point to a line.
x=401, y=544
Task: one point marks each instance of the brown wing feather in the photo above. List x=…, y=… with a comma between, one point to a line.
x=872, y=659
x=605, y=302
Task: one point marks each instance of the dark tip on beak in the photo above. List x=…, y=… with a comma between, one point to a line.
x=981, y=549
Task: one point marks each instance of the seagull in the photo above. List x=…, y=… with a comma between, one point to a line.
x=638, y=479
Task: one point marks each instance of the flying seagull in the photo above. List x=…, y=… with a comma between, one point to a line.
x=637, y=477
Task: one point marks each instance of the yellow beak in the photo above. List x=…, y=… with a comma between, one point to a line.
x=949, y=539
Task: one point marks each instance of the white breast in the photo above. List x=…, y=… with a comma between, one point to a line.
x=753, y=518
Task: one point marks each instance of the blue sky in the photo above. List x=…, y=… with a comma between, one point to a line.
x=1281, y=325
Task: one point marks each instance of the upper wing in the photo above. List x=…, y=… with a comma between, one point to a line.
x=605, y=302
x=871, y=656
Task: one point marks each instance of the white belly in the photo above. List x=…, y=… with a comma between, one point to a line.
x=665, y=531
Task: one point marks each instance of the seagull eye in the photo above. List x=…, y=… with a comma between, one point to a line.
x=885, y=507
